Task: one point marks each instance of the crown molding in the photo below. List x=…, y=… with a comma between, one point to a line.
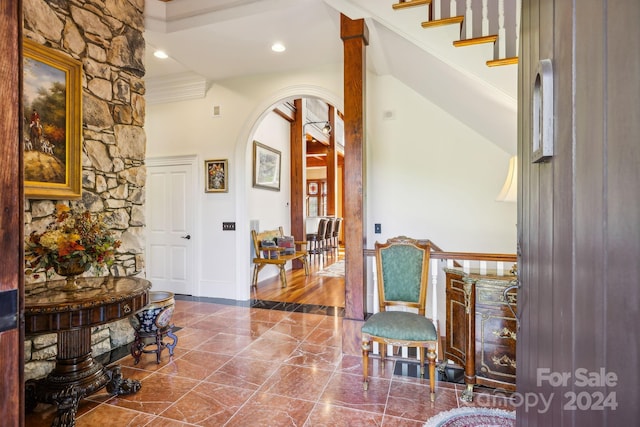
x=175, y=87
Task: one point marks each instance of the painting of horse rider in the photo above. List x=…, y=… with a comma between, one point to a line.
x=52, y=135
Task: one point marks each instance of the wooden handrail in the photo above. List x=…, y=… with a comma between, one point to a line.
x=474, y=256
x=438, y=253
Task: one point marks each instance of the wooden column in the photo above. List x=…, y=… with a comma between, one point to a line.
x=298, y=184
x=11, y=222
x=355, y=37
x=332, y=165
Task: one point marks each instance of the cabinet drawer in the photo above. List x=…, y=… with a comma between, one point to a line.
x=496, y=362
x=496, y=328
x=491, y=296
x=496, y=346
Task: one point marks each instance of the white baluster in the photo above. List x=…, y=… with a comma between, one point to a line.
x=376, y=303
x=466, y=266
x=502, y=34
x=468, y=21
x=405, y=352
x=376, y=297
x=434, y=290
x=500, y=268
x=449, y=263
x=485, y=17
x=437, y=10
x=453, y=8
x=483, y=267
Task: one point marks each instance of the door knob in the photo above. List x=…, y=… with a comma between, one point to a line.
x=188, y=236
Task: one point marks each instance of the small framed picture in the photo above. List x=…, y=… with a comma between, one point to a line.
x=216, y=178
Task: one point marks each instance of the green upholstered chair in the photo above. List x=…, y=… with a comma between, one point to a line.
x=403, y=273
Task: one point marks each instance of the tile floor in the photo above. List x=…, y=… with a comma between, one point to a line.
x=246, y=366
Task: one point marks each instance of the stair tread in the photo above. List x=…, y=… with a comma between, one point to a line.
x=504, y=61
x=411, y=3
x=443, y=21
x=475, y=40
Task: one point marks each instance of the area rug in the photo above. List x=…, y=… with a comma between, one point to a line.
x=473, y=417
x=334, y=270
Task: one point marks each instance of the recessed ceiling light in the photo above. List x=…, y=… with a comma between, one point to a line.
x=278, y=47
x=160, y=54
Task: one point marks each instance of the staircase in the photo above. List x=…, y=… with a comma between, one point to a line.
x=495, y=22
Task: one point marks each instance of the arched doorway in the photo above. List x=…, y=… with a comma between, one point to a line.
x=304, y=132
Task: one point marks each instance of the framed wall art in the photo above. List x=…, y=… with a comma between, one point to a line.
x=216, y=176
x=266, y=167
x=52, y=129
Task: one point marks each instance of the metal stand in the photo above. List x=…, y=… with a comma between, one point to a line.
x=155, y=338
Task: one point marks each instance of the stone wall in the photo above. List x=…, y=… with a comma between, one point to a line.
x=40, y=350
x=107, y=37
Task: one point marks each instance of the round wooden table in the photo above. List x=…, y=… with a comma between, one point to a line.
x=72, y=315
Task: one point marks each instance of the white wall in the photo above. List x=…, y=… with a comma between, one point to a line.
x=271, y=208
x=428, y=176
x=188, y=127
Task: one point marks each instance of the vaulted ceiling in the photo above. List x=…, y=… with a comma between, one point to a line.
x=220, y=39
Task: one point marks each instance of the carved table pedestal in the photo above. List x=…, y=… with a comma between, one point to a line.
x=72, y=314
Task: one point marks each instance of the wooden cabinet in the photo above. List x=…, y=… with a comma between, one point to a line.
x=481, y=328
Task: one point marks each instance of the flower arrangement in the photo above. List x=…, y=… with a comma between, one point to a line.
x=76, y=241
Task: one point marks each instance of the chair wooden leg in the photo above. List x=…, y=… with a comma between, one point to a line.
x=365, y=364
x=431, y=357
x=421, y=354
x=256, y=269
x=283, y=276
x=305, y=261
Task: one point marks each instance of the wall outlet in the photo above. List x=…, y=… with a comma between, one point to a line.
x=377, y=228
x=226, y=226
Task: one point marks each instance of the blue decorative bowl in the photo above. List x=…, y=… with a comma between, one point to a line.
x=157, y=315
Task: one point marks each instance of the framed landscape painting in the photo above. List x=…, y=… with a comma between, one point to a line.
x=52, y=133
x=266, y=167
x=216, y=176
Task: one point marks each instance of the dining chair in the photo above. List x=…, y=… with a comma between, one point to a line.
x=328, y=233
x=402, y=274
x=335, y=237
x=316, y=239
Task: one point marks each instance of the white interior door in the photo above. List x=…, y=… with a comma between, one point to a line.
x=170, y=226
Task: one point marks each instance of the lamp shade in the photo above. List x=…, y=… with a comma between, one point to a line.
x=509, y=192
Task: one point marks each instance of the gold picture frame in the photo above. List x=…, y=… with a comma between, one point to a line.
x=216, y=176
x=52, y=130
x=266, y=167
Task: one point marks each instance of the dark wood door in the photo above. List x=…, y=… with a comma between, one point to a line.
x=579, y=216
x=11, y=206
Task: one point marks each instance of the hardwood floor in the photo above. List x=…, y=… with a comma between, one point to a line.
x=315, y=289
